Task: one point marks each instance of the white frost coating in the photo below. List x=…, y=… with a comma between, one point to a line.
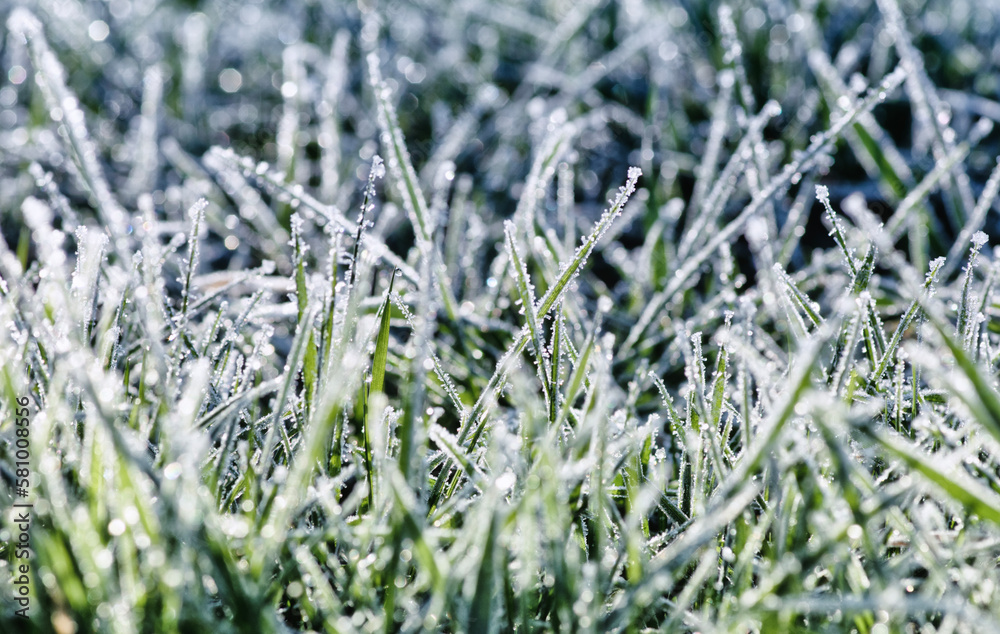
x=713, y=205
x=929, y=111
x=227, y=163
x=23, y=23
x=376, y=172
x=689, y=274
x=756, y=232
x=38, y=216
x=409, y=186
x=36, y=213
x=145, y=156
x=976, y=220
x=399, y=157
x=979, y=239
x=543, y=169
x=295, y=222
x=378, y=167
x=526, y=292
x=197, y=211
x=64, y=110
x=568, y=272
x=90, y=253
x=446, y=380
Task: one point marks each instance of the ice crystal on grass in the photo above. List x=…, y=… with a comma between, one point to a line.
x=503, y=405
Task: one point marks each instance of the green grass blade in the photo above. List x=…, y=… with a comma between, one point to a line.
x=957, y=486
x=381, y=355
x=904, y=323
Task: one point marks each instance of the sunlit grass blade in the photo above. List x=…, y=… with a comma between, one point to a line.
x=526, y=293
x=959, y=488
x=409, y=187
x=904, y=323
x=377, y=383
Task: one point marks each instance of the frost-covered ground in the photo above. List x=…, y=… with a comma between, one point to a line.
x=499, y=316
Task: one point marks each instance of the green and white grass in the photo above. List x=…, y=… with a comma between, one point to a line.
x=272, y=396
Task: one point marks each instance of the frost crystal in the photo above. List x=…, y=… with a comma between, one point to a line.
x=235, y=393
x=378, y=167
